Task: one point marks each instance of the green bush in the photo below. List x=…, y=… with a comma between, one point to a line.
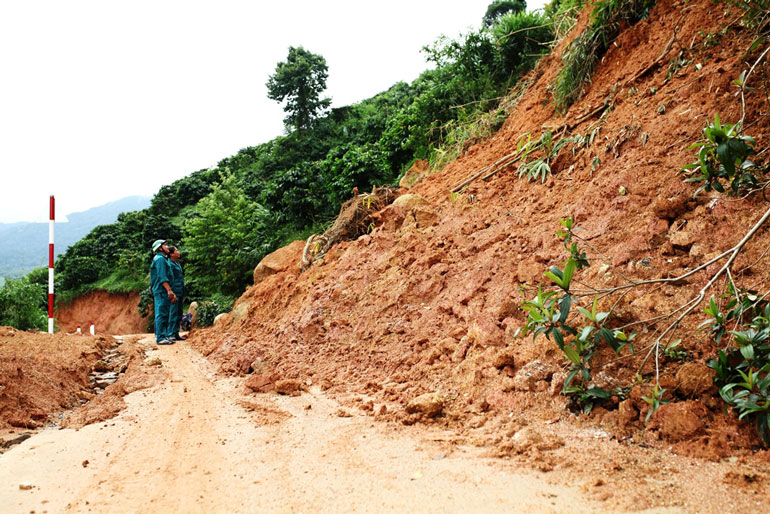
x=743, y=367
x=210, y=309
x=588, y=48
x=20, y=305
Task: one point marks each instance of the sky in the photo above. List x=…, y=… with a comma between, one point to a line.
x=100, y=100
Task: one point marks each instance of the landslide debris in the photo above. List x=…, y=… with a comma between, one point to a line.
x=428, y=301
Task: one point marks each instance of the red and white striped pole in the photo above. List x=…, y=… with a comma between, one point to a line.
x=50, y=267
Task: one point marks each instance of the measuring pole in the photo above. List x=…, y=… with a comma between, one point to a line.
x=50, y=267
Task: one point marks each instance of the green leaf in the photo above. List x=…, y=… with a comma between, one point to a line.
x=572, y=355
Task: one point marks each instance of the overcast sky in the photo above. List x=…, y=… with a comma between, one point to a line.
x=103, y=99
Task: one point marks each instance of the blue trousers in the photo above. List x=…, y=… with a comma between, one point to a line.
x=162, y=311
x=175, y=316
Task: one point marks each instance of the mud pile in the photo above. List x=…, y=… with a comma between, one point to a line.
x=428, y=302
x=42, y=375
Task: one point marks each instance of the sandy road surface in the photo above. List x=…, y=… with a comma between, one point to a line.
x=189, y=445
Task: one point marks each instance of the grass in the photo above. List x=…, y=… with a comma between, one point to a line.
x=588, y=48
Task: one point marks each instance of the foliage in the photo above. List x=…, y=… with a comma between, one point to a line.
x=20, y=304
x=540, y=168
x=579, y=336
x=500, y=7
x=299, y=81
x=743, y=370
x=722, y=156
x=521, y=39
x=588, y=48
x=225, y=238
x=208, y=310
x=563, y=15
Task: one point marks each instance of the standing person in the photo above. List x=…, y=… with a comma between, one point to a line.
x=163, y=295
x=177, y=285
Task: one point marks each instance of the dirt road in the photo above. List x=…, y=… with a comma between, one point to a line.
x=193, y=445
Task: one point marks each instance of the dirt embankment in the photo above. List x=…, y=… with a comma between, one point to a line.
x=111, y=313
x=429, y=301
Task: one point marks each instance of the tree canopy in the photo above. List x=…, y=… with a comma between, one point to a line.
x=500, y=7
x=299, y=81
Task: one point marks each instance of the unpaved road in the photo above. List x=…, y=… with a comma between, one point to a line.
x=190, y=445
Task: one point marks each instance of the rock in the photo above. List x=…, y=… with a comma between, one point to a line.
x=627, y=414
x=529, y=272
x=428, y=405
x=503, y=358
x=100, y=365
x=694, y=378
x=557, y=382
x=408, y=202
x=261, y=382
x=240, y=310
x=192, y=310
x=477, y=421
x=153, y=361
x=288, y=386
x=25, y=486
x=682, y=238
x=534, y=437
x=532, y=373
x=280, y=260
x=85, y=395
x=679, y=421
x=221, y=318
x=415, y=174
x=105, y=380
x=342, y=413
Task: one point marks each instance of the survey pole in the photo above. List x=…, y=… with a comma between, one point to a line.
x=50, y=264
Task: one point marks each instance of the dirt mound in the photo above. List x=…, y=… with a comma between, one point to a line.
x=111, y=313
x=428, y=301
x=41, y=375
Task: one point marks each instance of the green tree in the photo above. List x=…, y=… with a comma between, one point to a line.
x=500, y=7
x=20, y=305
x=300, y=81
x=226, y=237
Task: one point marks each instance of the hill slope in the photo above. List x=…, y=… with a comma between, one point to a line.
x=429, y=300
x=24, y=246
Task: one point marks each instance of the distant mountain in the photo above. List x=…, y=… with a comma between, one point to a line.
x=24, y=245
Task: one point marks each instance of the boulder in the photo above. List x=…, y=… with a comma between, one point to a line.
x=221, y=318
x=280, y=260
x=192, y=310
x=532, y=373
x=428, y=405
x=261, y=382
x=418, y=171
x=408, y=202
x=288, y=386
x=694, y=378
x=679, y=421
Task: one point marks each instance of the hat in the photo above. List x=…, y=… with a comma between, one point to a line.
x=157, y=244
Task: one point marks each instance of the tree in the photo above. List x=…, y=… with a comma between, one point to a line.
x=225, y=238
x=300, y=81
x=500, y=7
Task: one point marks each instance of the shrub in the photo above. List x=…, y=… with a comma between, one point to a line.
x=722, y=156
x=588, y=48
x=20, y=305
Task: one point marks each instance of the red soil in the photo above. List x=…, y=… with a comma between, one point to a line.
x=429, y=300
x=111, y=313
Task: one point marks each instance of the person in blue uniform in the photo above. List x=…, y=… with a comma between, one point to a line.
x=163, y=295
x=177, y=285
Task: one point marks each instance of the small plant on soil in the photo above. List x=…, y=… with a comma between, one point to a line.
x=541, y=168
x=743, y=367
x=579, y=335
x=723, y=159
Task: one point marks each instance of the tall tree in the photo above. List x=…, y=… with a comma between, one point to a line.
x=500, y=7
x=300, y=81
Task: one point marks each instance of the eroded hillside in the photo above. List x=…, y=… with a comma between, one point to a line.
x=429, y=301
